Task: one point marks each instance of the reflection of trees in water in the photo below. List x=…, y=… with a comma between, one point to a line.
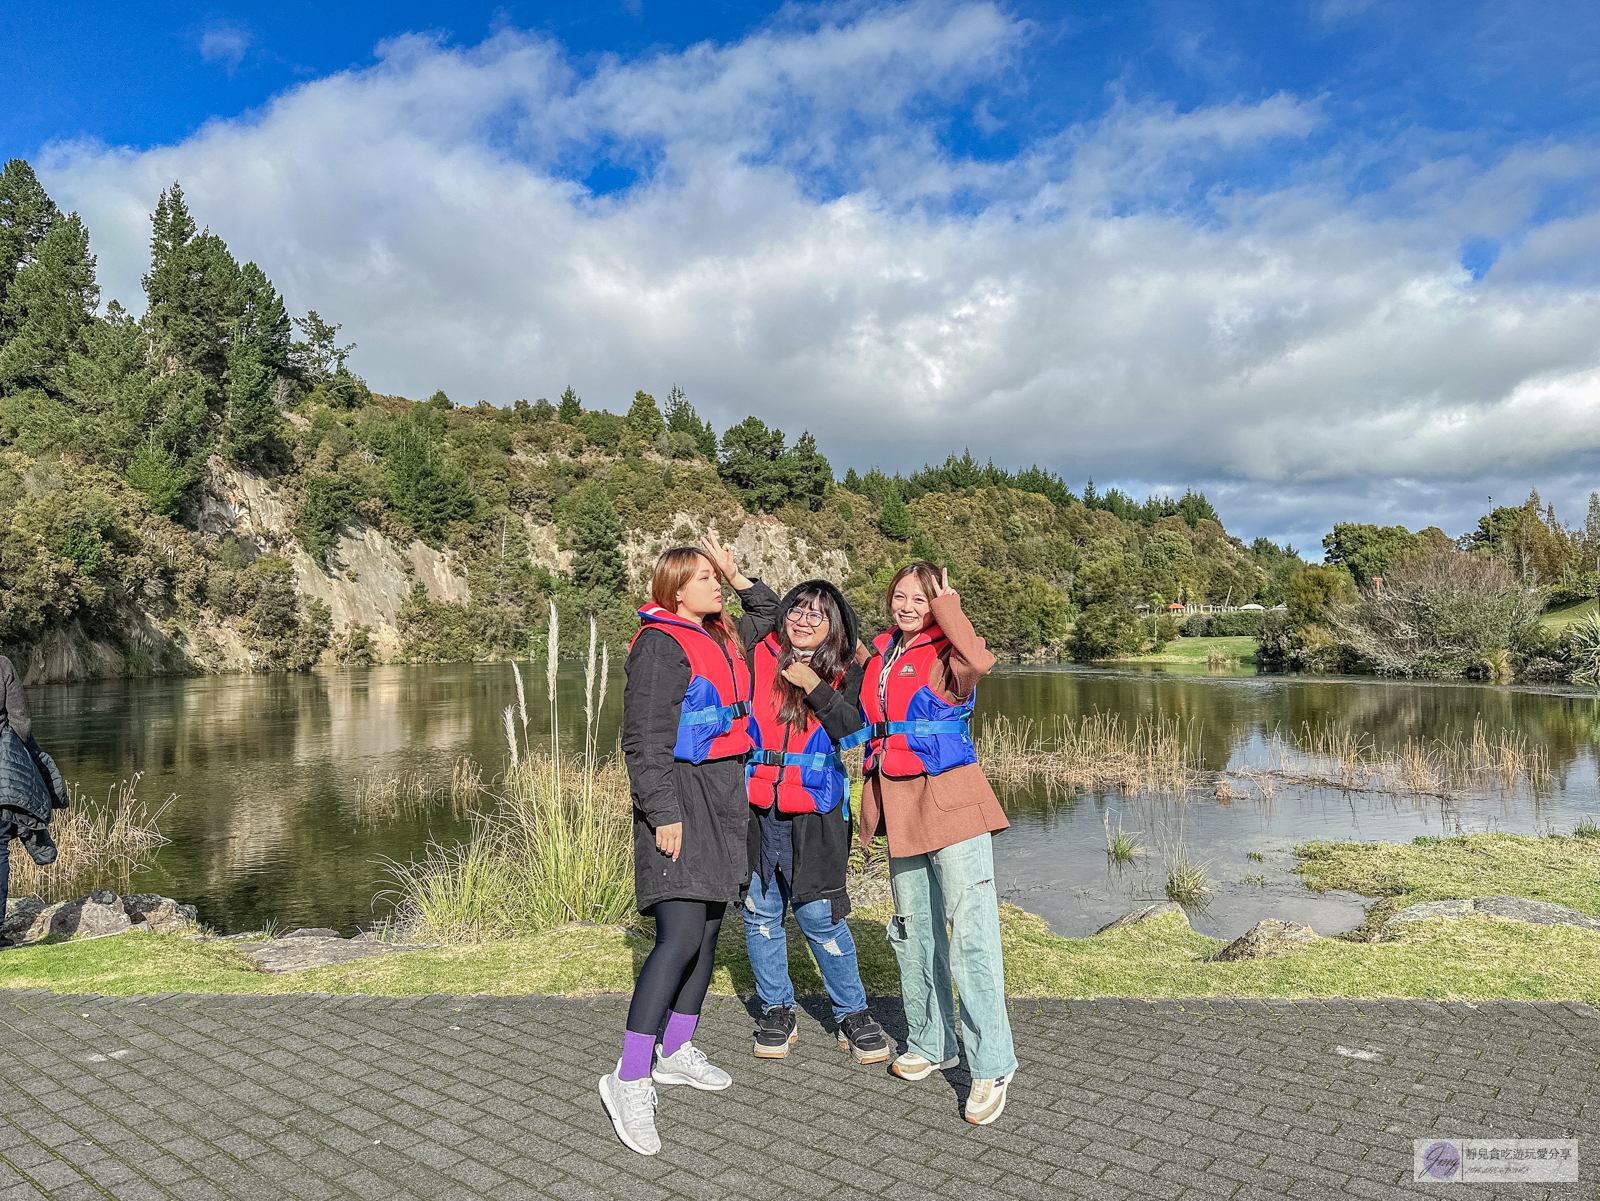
x=1230, y=712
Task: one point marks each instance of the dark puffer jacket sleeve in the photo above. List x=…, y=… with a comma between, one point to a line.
x=652, y=701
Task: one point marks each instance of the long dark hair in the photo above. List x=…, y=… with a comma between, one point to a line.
x=831, y=656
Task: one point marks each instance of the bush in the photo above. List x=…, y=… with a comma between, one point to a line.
x=1441, y=613
x=1224, y=625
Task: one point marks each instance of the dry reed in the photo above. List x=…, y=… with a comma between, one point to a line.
x=95, y=844
x=1336, y=756
x=1095, y=751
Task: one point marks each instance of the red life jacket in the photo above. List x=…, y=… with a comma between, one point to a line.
x=801, y=769
x=714, y=723
x=918, y=732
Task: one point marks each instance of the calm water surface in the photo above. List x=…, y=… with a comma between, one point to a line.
x=265, y=825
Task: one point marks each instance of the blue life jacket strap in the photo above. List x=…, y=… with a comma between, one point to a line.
x=920, y=728
x=714, y=716
x=816, y=761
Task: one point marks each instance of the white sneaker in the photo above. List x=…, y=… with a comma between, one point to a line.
x=986, y=1100
x=632, y=1106
x=688, y=1065
x=912, y=1066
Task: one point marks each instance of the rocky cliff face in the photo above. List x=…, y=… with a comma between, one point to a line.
x=365, y=577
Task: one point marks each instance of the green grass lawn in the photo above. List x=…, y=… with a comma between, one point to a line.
x=1473, y=958
x=1196, y=650
x=1561, y=618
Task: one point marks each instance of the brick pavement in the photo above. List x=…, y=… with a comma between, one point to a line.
x=315, y=1097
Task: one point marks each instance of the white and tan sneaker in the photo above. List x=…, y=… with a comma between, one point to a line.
x=688, y=1065
x=631, y=1105
x=987, y=1099
x=912, y=1066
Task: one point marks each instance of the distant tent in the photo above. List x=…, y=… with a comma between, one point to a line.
x=1258, y=607
x=1175, y=607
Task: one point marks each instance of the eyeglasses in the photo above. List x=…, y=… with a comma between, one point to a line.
x=807, y=617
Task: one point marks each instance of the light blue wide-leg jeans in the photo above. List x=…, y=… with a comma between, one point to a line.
x=954, y=885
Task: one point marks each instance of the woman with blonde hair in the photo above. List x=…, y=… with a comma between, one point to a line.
x=685, y=737
x=925, y=791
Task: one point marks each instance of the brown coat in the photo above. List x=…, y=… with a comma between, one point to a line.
x=926, y=813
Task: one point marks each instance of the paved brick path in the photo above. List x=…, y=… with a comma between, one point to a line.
x=440, y=1098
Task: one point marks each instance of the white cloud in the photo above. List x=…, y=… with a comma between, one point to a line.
x=224, y=42
x=799, y=245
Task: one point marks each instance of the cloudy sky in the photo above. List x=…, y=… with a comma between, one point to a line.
x=1336, y=260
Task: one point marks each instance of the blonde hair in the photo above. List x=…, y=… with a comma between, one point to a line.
x=674, y=569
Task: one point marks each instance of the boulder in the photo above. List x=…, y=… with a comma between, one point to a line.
x=1266, y=939
x=102, y=912
x=1139, y=915
x=159, y=914
x=1539, y=913
x=21, y=912
x=82, y=918
x=294, y=954
x=313, y=932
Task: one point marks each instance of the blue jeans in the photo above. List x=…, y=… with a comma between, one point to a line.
x=768, y=947
x=954, y=885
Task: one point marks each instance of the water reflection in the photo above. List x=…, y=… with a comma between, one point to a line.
x=266, y=767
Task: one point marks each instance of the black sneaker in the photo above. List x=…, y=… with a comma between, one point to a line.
x=860, y=1034
x=775, y=1032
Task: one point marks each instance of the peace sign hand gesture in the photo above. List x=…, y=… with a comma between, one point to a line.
x=942, y=586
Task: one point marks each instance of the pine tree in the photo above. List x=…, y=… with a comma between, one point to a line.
x=682, y=419
x=192, y=288
x=752, y=465
x=26, y=215
x=431, y=491
x=597, y=538
x=895, y=519
x=571, y=408
x=810, y=478
x=258, y=350
x=50, y=303
x=644, y=418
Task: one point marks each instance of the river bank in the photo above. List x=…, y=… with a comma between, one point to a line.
x=1471, y=957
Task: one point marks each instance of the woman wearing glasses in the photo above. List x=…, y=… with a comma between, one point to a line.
x=926, y=792
x=803, y=704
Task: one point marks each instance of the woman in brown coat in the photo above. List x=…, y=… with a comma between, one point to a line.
x=927, y=793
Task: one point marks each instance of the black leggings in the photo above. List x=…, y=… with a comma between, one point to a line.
x=678, y=970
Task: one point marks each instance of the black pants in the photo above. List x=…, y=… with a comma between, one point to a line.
x=7, y=833
x=678, y=970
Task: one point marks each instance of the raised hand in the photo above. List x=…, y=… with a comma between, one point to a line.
x=722, y=557
x=942, y=587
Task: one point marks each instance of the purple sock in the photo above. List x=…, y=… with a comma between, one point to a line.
x=680, y=1029
x=638, y=1053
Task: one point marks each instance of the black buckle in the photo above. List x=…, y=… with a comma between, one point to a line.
x=767, y=758
x=880, y=729
x=739, y=709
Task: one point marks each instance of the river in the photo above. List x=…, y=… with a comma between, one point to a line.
x=266, y=828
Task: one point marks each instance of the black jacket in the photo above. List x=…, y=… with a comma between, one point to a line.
x=708, y=798
x=821, y=840
x=30, y=785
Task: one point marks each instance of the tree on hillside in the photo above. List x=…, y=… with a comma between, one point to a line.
x=644, y=418
x=570, y=409
x=48, y=307
x=682, y=419
x=894, y=520
x=1368, y=550
x=765, y=476
x=258, y=352
x=597, y=538
x=1312, y=595
x=426, y=487
x=26, y=214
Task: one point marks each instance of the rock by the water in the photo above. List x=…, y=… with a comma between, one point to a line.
x=1266, y=939
x=313, y=932
x=1140, y=915
x=1521, y=909
x=102, y=912
x=294, y=954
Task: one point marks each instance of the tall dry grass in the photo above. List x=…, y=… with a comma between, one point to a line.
x=1336, y=755
x=95, y=844
x=1099, y=750
x=555, y=847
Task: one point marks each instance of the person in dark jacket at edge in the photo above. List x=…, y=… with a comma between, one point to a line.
x=804, y=703
x=30, y=786
x=685, y=739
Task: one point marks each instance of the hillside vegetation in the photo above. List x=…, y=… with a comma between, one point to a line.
x=184, y=488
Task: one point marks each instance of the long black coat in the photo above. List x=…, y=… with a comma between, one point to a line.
x=821, y=841
x=708, y=798
x=30, y=785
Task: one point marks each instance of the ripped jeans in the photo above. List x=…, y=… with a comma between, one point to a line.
x=954, y=885
x=768, y=947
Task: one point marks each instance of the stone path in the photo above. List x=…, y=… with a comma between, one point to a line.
x=442, y=1098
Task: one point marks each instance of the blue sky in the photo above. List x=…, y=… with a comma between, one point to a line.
x=1333, y=260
